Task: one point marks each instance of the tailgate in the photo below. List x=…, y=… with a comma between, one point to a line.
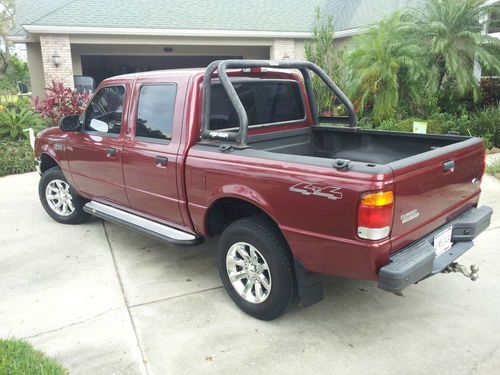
x=434, y=187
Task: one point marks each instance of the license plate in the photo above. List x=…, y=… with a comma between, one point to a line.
x=442, y=241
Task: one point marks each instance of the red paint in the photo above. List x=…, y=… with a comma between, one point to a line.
x=321, y=232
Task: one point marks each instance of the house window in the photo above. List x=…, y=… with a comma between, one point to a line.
x=494, y=23
x=155, y=112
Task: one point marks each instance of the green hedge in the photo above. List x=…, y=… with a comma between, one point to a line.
x=484, y=124
x=16, y=157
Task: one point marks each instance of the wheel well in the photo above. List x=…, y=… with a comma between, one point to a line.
x=227, y=210
x=47, y=162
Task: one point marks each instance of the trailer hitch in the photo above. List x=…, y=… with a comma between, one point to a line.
x=473, y=274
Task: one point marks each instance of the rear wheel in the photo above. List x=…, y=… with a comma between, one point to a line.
x=256, y=268
x=59, y=199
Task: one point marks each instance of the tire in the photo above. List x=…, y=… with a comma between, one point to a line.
x=53, y=183
x=271, y=268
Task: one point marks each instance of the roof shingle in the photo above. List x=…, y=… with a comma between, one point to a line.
x=252, y=15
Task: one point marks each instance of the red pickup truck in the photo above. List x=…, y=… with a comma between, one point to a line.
x=238, y=150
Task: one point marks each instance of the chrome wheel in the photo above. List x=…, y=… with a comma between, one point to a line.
x=248, y=272
x=59, y=197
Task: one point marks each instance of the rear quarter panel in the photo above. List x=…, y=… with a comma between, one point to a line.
x=320, y=229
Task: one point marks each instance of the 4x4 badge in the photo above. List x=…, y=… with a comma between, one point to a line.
x=330, y=192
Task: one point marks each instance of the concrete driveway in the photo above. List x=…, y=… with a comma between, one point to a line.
x=104, y=300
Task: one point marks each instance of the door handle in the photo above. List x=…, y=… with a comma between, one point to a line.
x=110, y=151
x=449, y=166
x=161, y=161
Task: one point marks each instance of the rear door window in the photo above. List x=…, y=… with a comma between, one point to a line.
x=266, y=102
x=155, y=112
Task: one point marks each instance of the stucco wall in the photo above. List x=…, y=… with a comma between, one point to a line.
x=35, y=67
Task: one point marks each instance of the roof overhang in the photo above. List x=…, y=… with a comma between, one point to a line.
x=38, y=29
x=42, y=29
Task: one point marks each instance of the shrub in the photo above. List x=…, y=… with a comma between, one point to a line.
x=490, y=90
x=16, y=157
x=433, y=127
x=486, y=124
x=60, y=101
x=19, y=357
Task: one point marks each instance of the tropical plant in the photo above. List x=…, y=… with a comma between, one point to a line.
x=450, y=32
x=60, y=101
x=13, y=122
x=321, y=51
x=384, y=64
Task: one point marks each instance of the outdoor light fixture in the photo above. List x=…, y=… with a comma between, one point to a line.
x=168, y=49
x=56, y=59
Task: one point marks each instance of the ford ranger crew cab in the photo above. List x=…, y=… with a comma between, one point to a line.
x=238, y=151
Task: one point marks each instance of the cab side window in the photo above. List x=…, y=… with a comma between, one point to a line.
x=155, y=112
x=104, y=112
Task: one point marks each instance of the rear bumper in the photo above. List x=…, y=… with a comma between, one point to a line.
x=418, y=260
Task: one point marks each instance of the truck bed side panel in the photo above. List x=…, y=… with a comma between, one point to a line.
x=314, y=207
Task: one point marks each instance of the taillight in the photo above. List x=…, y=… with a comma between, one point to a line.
x=375, y=215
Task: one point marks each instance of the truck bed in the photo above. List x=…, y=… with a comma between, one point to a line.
x=435, y=177
x=359, y=145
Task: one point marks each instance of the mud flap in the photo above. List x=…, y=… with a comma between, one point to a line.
x=309, y=284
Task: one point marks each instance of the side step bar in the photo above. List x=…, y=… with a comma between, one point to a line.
x=149, y=227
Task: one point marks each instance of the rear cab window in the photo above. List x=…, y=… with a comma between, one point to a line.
x=267, y=102
x=155, y=112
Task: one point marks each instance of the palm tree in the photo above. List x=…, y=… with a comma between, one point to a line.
x=321, y=50
x=451, y=33
x=384, y=63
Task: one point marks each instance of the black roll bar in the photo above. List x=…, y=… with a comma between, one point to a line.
x=240, y=137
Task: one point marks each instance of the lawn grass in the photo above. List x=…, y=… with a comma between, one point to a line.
x=18, y=357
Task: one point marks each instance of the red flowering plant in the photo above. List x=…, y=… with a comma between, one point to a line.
x=60, y=101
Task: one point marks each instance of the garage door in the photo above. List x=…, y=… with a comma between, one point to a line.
x=104, y=66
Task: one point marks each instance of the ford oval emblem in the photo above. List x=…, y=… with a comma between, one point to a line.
x=476, y=181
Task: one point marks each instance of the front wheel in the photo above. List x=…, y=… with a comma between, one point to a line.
x=256, y=268
x=59, y=199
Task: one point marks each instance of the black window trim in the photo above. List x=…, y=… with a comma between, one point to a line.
x=269, y=124
x=95, y=132
x=148, y=139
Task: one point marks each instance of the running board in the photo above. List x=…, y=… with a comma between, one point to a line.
x=149, y=227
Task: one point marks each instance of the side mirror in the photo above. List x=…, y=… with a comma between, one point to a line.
x=99, y=125
x=70, y=123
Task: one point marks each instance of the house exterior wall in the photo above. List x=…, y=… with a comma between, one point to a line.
x=70, y=49
x=52, y=45
x=283, y=49
x=35, y=68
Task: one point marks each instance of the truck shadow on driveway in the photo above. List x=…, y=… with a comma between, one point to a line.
x=152, y=271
